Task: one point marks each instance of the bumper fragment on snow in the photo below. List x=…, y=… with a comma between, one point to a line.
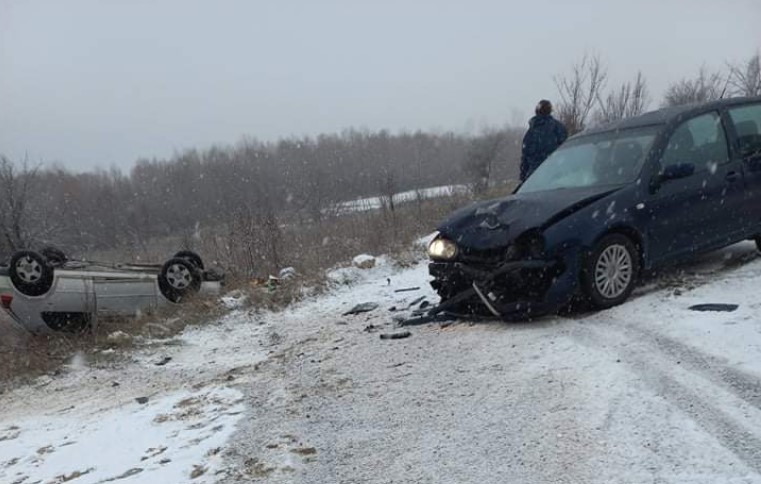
x=482, y=279
x=486, y=301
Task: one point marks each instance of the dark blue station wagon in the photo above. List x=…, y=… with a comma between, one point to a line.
x=636, y=194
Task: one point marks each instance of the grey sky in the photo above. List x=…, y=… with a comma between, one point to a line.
x=90, y=83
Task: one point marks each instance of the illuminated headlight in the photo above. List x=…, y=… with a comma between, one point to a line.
x=442, y=249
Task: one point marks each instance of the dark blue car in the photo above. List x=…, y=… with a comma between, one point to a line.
x=637, y=194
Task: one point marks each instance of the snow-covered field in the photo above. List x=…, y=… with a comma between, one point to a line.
x=646, y=392
x=375, y=203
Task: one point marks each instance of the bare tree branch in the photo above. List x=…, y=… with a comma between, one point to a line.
x=579, y=91
x=706, y=86
x=631, y=99
x=745, y=77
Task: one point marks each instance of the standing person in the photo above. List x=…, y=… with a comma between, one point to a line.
x=544, y=135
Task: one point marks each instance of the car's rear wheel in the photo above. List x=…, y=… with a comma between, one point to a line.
x=610, y=271
x=192, y=257
x=757, y=238
x=30, y=273
x=179, y=279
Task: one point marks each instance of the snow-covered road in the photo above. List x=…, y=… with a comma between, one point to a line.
x=646, y=392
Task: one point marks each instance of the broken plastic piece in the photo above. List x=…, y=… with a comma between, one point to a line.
x=362, y=308
x=728, y=308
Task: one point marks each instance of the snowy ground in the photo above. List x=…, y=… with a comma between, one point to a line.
x=646, y=392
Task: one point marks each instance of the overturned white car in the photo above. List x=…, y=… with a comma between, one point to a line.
x=47, y=292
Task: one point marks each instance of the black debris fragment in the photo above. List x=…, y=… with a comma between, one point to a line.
x=163, y=361
x=728, y=308
x=362, y=308
x=416, y=301
x=402, y=335
x=424, y=304
x=142, y=400
x=424, y=319
x=408, y=289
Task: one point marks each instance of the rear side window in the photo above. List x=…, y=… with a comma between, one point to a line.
x=700, y=141
x=747, y=121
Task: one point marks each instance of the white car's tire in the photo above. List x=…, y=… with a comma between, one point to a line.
x=30, y=273
x=179, y=279
x=192, y=257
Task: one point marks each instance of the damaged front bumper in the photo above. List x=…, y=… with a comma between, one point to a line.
x=509, y=290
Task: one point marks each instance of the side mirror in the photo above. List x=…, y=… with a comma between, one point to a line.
x=674, y=172
x=671, y=172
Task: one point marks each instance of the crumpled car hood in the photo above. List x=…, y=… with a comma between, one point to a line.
x=495, y=223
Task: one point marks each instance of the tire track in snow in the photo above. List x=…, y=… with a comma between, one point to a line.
x=651, y=358
x=742, y=384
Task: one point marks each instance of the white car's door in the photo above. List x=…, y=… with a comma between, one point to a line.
x=125, y=295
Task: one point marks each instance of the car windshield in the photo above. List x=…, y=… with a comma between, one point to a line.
x=611, y=158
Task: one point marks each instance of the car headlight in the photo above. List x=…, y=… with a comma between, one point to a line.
x=442, y=249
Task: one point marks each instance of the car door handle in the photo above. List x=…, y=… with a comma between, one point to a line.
x=732, y=176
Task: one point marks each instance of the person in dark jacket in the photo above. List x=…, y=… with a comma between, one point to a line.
x=544, y=135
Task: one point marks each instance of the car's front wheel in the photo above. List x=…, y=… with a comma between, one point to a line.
x=610, y=271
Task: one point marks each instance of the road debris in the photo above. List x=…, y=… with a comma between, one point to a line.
x=425, y=319
x=728, y=308
x=362, y=308
x=416, y=302
x=408, y=289
x=402, y=335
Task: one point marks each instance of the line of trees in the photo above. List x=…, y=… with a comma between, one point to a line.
x=292, y=180
x=586, y=100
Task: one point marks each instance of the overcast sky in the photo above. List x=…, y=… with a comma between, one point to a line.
x=88, y=83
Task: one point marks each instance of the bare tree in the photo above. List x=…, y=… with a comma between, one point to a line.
x=579, y=91
x=706, y=86
x=480, y=159
x=745, y=77
x=631, y=99
x=16, y=188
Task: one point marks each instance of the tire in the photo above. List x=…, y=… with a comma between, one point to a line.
x=192, y=257
x=610, y=271
x=55, y=256
x=757, y=238
x=30, y=273
x=179, y=279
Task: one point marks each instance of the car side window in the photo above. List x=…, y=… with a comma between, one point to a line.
x=747, y=121
x=700, y=141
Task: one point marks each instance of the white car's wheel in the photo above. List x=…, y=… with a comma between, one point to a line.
x=30, y=273
x=192, y=257
x=178, y=279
